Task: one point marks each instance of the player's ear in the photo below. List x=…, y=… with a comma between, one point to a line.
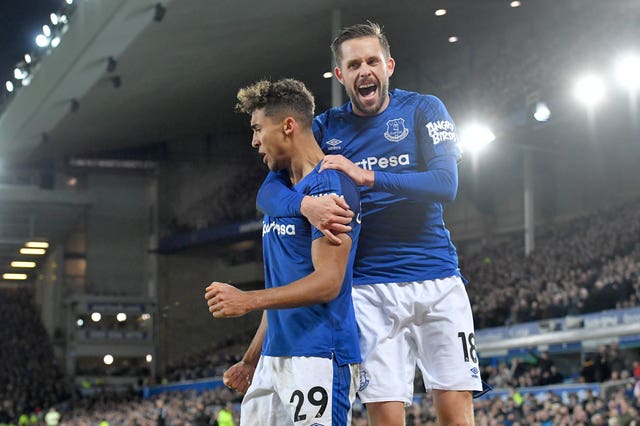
x=288, y=124
x=391, y=65
x=338, y=75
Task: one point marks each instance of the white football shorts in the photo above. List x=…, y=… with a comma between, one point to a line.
x=428, y=324
x=300, y=391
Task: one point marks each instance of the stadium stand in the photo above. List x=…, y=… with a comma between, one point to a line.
x=586, y=265
x=596, y=267
x=30, y=378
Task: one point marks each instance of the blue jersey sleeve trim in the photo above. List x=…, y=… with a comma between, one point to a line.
x=332, y=181
x=276, y=198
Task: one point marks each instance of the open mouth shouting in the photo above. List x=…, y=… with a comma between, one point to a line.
x=367, y=90
x=368, y=97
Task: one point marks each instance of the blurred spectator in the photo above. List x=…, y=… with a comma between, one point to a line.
x=224, y=416
x=52, y=418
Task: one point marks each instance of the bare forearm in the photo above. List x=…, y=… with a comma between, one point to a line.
x=252, y=354
x=321, y=286
x=312, y=289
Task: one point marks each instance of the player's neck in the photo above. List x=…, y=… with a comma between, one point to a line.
x=307, y=155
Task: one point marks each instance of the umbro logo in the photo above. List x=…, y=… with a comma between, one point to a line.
x=474, y=372
x=334, y=144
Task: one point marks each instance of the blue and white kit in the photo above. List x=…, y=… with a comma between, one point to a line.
x=318, y=342
x=413, y=150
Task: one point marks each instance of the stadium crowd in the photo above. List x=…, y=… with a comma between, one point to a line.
x=595, y=267
x=587, y=265
x=619, y=404
x=30, y=378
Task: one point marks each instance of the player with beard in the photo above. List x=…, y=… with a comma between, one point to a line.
x=410, y=299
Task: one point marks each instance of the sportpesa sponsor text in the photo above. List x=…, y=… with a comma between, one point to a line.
x=286, y=229
x=384, y=162
x=278, y=228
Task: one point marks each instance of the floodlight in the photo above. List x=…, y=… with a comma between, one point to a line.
x=46, y=31
x=589, y=90
x=476, y=136
x=19, y=73
x=121, y=317
x=36, y=251
x=327, y=74
x=108, y=359
x=96, y=317
x=54, y=19
x=37, y=244
x=42, y=40
x=542, y=112
x=148, y=358
x=55, y=42
x=9, y=86
x=12, y=276
x=22, y=264
x=628, y=71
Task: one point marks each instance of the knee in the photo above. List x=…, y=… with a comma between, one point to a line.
x=454, y=408
x=389, y=413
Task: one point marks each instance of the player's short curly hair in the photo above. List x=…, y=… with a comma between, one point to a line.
x=369, y=29
x=286, y=97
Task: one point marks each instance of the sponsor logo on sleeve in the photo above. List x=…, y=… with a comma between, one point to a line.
x=441, y=131
x=396, y=130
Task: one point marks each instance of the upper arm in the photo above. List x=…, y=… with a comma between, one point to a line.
x=331, y=260
x=437, y=129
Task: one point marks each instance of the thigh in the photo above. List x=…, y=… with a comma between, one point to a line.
x=388, y=353
x=261, y=405
x=315, y=390
x=444, y=336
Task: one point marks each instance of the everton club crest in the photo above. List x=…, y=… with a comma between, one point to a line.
x=396, y=130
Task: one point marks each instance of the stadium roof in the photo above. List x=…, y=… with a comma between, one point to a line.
x=133, y=73
x=175, y=79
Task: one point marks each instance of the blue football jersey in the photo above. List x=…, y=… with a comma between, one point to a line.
x=403, y=238
x=322, y=330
